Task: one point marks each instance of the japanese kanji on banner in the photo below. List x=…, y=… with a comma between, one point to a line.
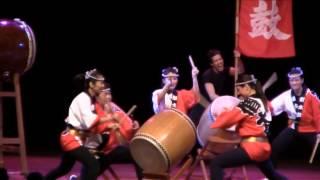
x=266, y=29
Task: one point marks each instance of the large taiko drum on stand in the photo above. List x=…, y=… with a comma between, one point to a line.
x=163, y=141
x=17, y=46
x=208, y=117
x=17, y=55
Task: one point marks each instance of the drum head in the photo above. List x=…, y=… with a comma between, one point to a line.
x=208, y=117
x=222, y=103
x=17, y=46
x=149, y=155
x=203, y=128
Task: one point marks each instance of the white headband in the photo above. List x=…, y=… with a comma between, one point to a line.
x=253, y=79
x=295, y=72
x=108, y=90
x=170, y=75
x=295, y=75
x=88, y=75
x=173, y=74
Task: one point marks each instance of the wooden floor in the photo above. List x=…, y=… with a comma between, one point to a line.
x=42, y=164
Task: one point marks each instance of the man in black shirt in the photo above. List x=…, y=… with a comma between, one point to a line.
x=219, y=79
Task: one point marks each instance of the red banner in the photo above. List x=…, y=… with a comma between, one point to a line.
x=266, y=29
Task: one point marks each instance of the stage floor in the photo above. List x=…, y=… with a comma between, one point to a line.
x=293, y=170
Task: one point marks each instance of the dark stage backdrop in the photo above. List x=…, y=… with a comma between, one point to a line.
x=130, y=43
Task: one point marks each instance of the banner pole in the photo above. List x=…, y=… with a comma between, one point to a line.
x=236, y=44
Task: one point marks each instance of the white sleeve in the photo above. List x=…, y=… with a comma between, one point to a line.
x=155, y=101
x=278, y=104
x=87, y=117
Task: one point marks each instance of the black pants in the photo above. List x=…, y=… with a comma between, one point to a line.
x=239, y=157
x=121, y=154
x=286, y=137
x=91, y=164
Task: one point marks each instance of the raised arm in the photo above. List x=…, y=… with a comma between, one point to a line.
x=211, y=90
x=195, y=84
x=240, y=64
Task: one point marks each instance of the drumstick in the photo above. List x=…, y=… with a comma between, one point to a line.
x=120, y=138
x=131, y=110
x=314, y=150
x=272, y=79
x=191, y=61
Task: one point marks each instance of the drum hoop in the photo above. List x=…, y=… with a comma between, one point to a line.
x=214, y=103
x=210, y=117
x=32, y=49
x=190, y=122
x=32, y=44
x=153, y=141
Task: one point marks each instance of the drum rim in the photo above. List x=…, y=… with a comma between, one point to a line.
x=220, y=97
x=32, y=49
x=158, y=146
x=31, y=41
x=210, y=117
x=186, y=117
x=229, y=97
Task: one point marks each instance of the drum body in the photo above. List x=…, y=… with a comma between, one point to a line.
x=208, y=117
x=163, y=141
x=17, y=46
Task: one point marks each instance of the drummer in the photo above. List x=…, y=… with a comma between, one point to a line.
x=80, y=120
x=252, y=118
x=112, y=147
x=169, y=97
x=302, y=107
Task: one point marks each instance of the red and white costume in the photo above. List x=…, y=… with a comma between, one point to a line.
x=250, y=123
x=310, y=115
x=125, y=128
x=81, y=117
x=184, y=99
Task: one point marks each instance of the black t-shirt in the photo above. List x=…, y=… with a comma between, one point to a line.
x=223, y=82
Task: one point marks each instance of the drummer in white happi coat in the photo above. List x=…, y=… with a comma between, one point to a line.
x=303, y=109
x=169, y=97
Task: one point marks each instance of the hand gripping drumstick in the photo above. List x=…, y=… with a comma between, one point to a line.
x=203, y=100
x=118, y=134
x=314, y=150
x=191, y=61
